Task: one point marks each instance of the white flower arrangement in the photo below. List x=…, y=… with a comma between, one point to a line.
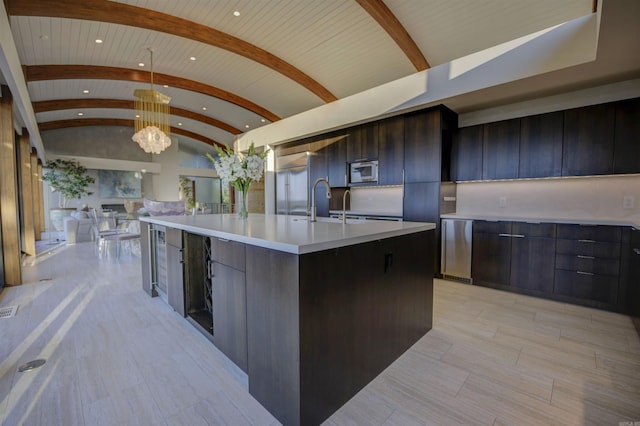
x=237, y=169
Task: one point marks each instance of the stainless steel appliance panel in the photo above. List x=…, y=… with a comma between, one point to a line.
x=292, y=185
x=456, y=248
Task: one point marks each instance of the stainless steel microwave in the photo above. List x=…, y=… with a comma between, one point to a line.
x=364, y=171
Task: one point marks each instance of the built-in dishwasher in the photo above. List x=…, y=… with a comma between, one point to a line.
x=455, y=260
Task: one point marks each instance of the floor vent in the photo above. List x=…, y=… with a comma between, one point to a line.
x=8, y=312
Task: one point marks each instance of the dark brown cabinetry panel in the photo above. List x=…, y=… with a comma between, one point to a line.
x=501, y=150
x=337, y=159
x=391, y=150
x=422, y=146
x=145, y=259
x=541, y=145
x=630, y=274
x=229, y=306
x=318, y=168
x=362, y=142
x=466, y=154
x=626, y=148
x=175, y=270
x=491, y=254
x=532, y=260
x=421, y=202
x=588, y=141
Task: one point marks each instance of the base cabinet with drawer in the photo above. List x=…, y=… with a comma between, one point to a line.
x=229, y=300
x=588, y=263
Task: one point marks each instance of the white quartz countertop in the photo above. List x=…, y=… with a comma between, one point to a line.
x=581, y=221
x=291, y=234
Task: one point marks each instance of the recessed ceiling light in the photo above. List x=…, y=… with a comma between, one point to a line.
x=141, y=64
x=236, y=13
x=98, y=41
x=137, y=115
x=246, y=126
x=193, y=58
x=179, y=124
x=80, y=114
x=264, y=120
x=165, y=85
x=85, y=91
x=204, y=108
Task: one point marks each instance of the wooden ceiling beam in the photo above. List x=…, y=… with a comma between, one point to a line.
x=93, y=72
x=84, y=122
x=124, y=14
x=388, y=21
x=63, y=104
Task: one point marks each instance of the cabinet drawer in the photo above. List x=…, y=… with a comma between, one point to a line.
x=488, y=227
x=174, y=237
x=598, y=233
x=230, y=253
x=599, y=288
x=544, y=230
x=591, y=264
x=588, y=248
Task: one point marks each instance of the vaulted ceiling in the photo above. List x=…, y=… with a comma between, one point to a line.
x=233, y=65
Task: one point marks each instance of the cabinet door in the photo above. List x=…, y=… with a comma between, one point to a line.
x=532, y=263
x=146, y=256
x=362, y=142
x=318, y=169
x=420, y=203
x=229, y=307
x=175, y=279
x=588, y=141
x=466, y=154
x=541, y=145
x=337, y=160
x=391, y=151
x=627, y=148
x=501, y=150
x=491, y=254
x=422, y=147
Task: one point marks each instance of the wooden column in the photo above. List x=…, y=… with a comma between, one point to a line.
x=8, y=192
x=41, y=196
x=28, y=225
x=37, y=194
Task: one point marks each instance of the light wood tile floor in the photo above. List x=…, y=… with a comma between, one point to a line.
x=116, y=356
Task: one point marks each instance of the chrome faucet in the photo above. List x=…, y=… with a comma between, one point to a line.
x=313, y=196
x=344, y=205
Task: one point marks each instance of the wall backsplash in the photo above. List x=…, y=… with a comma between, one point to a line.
x=377, y=199
x=598, y=197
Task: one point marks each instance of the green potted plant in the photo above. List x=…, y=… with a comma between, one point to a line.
x=70, y=179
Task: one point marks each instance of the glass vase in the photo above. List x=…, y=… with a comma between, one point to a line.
x=243, y=204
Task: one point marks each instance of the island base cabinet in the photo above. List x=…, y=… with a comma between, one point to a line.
x=320, y=326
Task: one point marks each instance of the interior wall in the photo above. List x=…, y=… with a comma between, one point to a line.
x=598, y=197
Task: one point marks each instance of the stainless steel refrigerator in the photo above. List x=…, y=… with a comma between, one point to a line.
x=292, y=184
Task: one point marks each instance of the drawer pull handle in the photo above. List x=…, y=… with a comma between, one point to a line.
x=636, y=251
x=504, y=235
x=584, y=273
x=585, y=257
x=517, y=236
x=587, y=241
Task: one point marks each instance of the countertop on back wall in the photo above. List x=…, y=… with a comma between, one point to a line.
x=633, y=221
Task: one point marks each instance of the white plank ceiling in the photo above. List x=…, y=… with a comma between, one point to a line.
x=335, y=42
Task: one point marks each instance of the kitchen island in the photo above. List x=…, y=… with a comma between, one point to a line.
x=311, y=311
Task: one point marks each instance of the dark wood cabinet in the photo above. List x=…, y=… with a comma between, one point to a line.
x=466, y=153
x=318, y=168
x=423, y=146
x=514, y=256
x=146, y=259
x=501, y=150
x=420, y=202
x=228, y=300
x=336, y=153
x=588, y=141
x=175, y=270
x=588, y=264
x=541, y=145
x=626, y=147
x=491, y=254
x=631, y=263
x=391, y=151
x=362, y=142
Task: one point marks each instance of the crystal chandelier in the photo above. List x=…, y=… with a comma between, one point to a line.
x=152, y=118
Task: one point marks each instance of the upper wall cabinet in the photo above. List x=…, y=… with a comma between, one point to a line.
x=501, y=150
x=626, y=157
x=541, y=145
x=466, y=154
x=391, y=150
x=422, y=146
x=588, y=141
x=336, y=153
x=362, y=142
